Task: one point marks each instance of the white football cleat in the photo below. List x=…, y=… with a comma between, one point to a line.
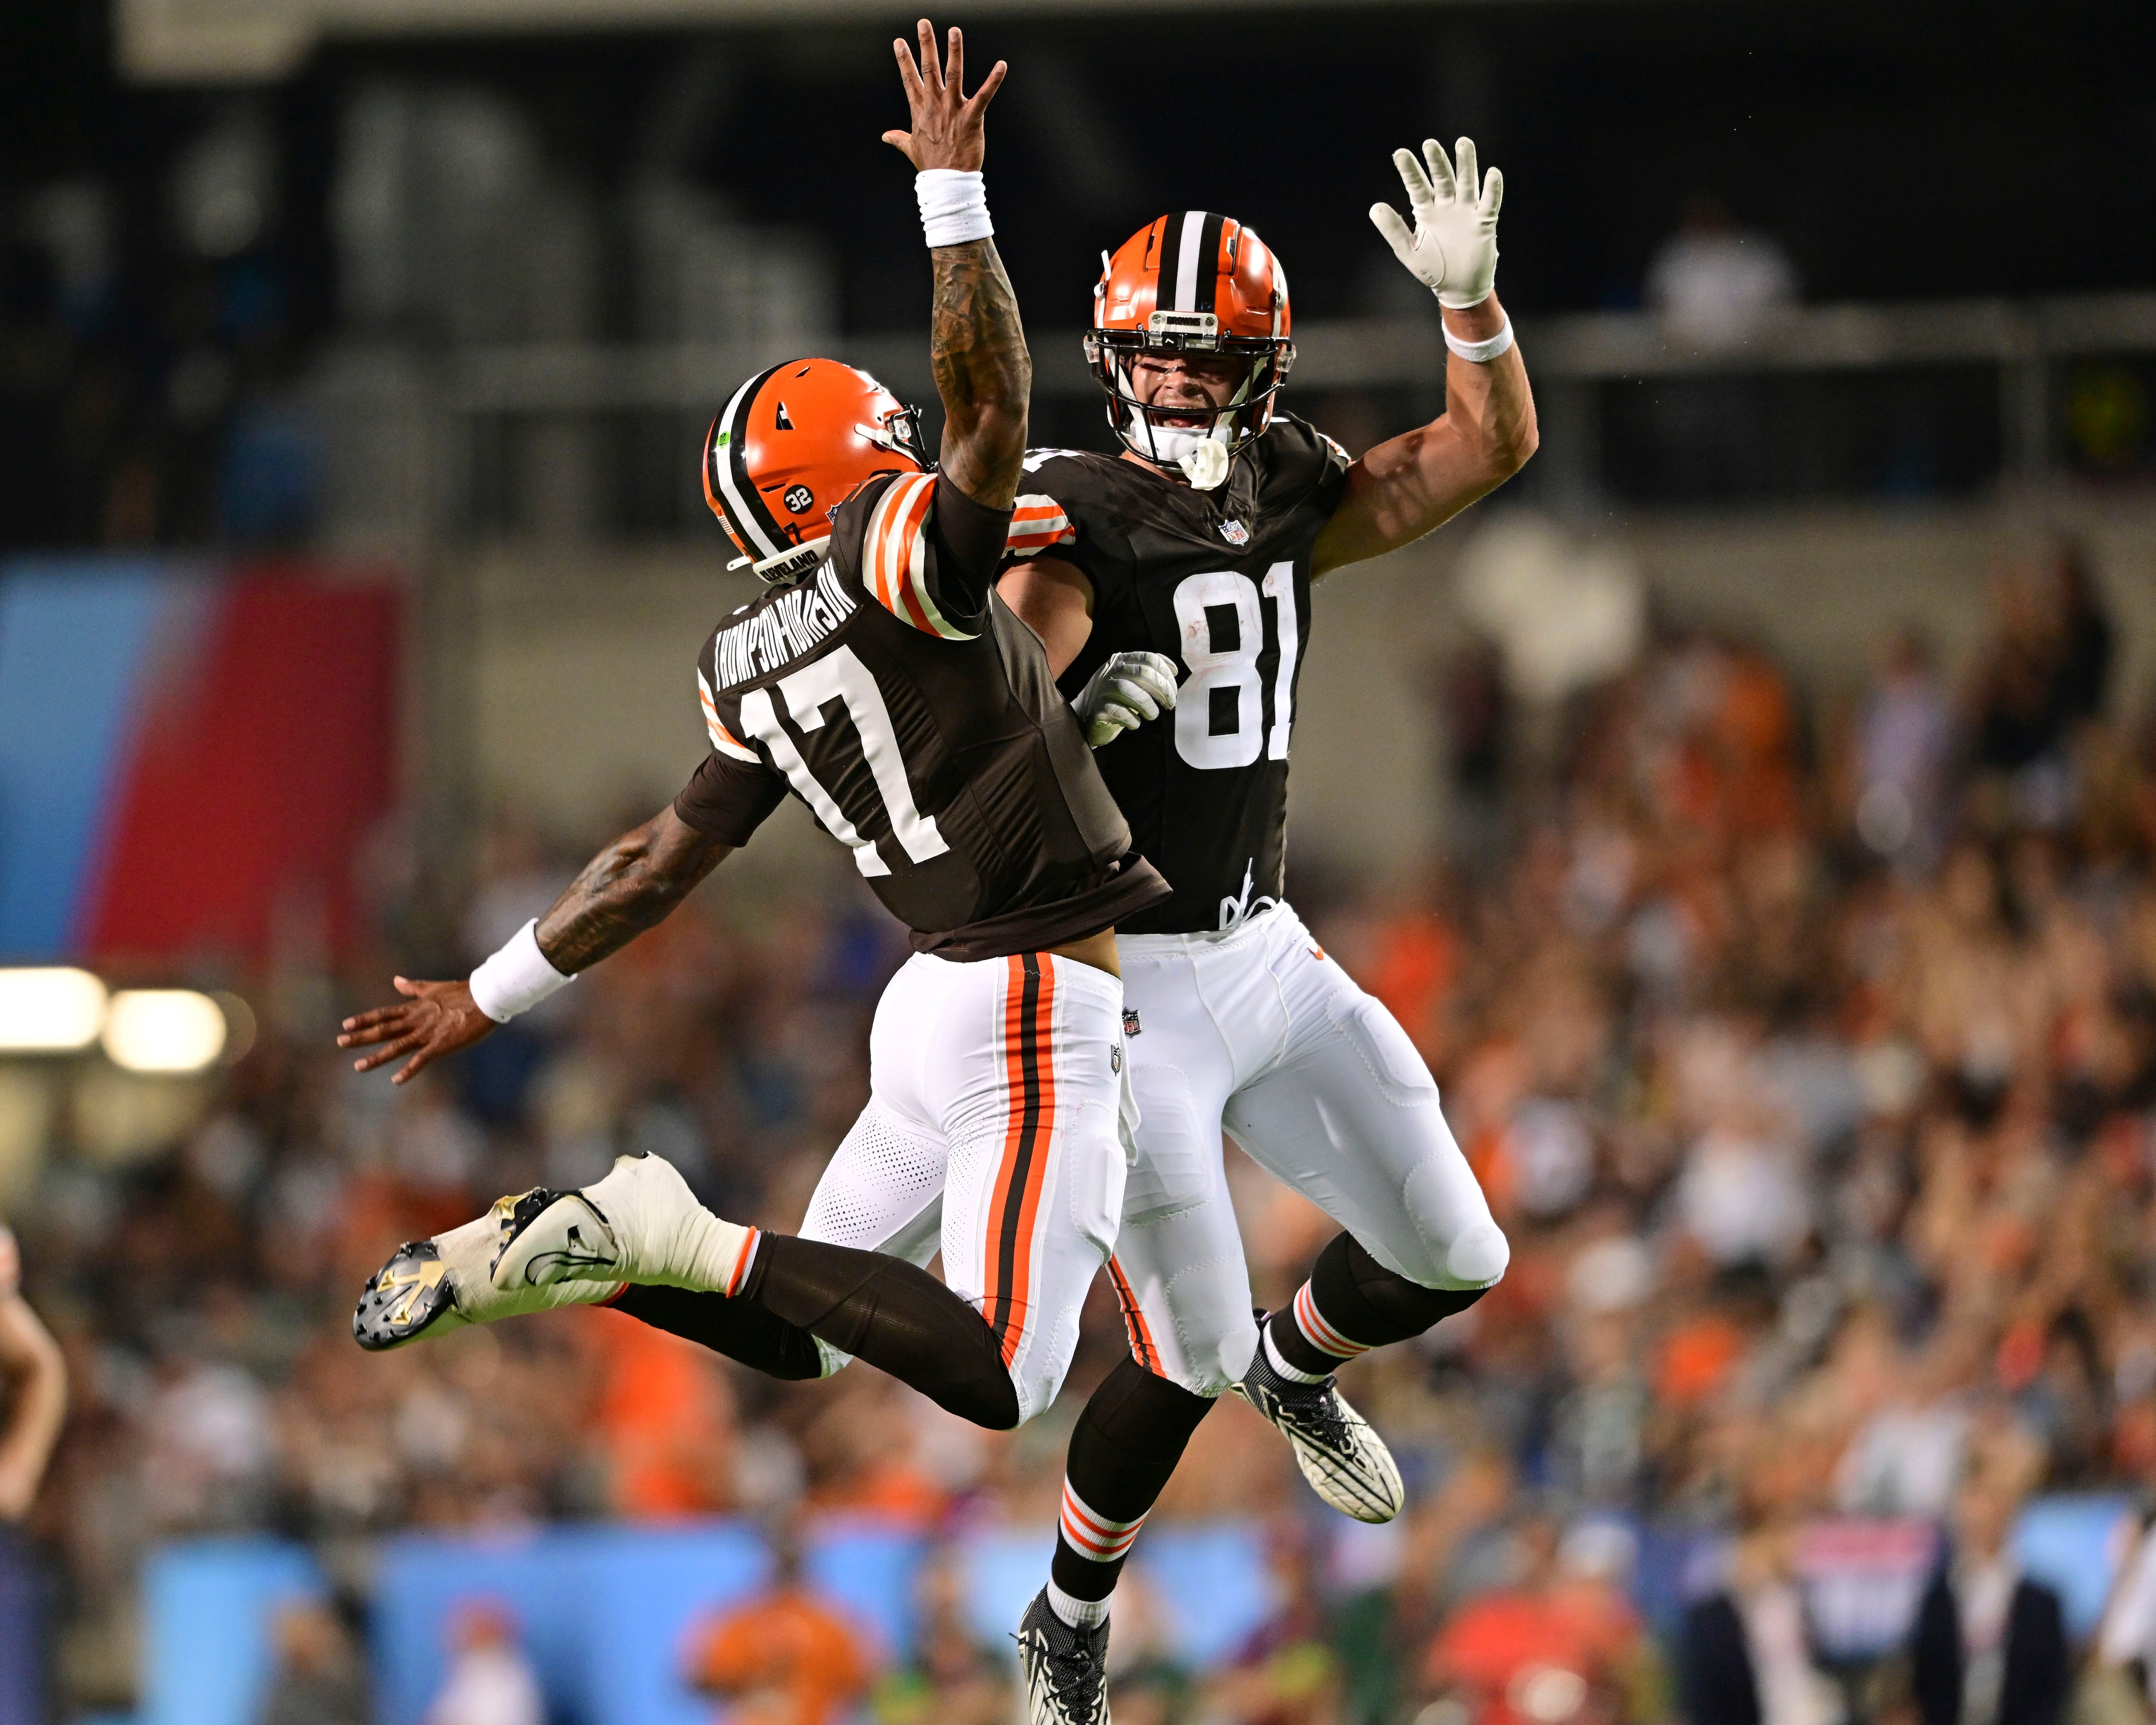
x=430, y=1287
x=641, y=1224
x=1343, y=1458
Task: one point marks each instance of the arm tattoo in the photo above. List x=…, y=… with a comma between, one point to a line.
x=627, y=888
x=984, y=372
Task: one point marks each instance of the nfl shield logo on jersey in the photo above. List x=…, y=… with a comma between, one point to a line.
x=1234, y=533
x=1131, y=1025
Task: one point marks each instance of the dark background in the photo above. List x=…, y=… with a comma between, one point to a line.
x=1904, y=151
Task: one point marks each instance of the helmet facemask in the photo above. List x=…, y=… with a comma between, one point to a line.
x=899, y=431
x=1112, y=354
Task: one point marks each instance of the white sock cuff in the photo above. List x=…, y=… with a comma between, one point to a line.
x=745, y=1262
x=1294, y=1375
x=1076, y=1613
x=709, y=1255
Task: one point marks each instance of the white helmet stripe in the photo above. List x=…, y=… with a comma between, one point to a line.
x=738, y=512
x=1187, y=260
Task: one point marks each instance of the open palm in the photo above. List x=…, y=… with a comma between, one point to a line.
x=949, y=130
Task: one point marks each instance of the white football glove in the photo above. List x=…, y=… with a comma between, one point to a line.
x=1124, y=694
x=1453, y=249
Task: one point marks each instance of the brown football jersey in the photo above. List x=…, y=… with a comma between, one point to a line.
x=896, y=696
x=1219, y=582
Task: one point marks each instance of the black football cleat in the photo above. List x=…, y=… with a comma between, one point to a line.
x=405, y=1297
x=1065, y=1670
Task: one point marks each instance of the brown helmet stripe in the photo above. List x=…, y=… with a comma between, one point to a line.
x=728, y=471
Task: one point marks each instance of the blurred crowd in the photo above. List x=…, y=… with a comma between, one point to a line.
x=1806, y=1048
x=149, y=348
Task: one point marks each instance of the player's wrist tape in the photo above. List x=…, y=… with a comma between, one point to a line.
x=1481, y=352
x=954, y=205
x=516, y=978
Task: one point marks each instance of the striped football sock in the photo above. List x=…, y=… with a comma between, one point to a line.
x=1309, y=1345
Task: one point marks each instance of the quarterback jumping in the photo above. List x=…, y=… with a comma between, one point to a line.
x=881, y=681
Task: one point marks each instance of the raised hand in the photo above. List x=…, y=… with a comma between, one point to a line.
x=948, y=128
x=437, y=1018
x=1452, y=249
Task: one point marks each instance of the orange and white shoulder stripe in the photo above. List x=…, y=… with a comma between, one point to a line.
x=895, y=556
x=723, y=740
x=1037, y=523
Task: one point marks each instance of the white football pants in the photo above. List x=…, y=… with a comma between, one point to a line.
x=994, y=1133
x=1254, y=1029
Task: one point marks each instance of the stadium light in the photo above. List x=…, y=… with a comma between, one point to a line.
x=163, y=1030
x=50, y=1009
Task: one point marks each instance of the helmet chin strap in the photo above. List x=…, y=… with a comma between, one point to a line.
x=1202, y=454
x=794, y=561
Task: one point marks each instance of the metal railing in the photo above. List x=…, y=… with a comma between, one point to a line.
x=428, y=454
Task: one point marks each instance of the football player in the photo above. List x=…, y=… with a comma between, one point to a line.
x=1202, y=539
x=880, y=680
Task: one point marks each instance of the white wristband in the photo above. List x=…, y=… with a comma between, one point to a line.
x=516, y=978
x=954, y=205
x=1482, y=353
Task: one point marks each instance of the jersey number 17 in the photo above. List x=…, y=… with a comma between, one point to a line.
x=839, y=676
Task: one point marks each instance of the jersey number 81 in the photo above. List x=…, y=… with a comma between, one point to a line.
x=1221, y=625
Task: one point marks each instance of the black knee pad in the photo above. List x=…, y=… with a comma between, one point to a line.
x=1129, y=1438
x=1125, y=1445
x=1370, y=1304
x=981, y=1390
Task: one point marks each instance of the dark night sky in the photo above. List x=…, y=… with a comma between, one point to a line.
x=1910, y=150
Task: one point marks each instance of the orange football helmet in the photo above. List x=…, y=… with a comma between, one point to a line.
x=793, y=443
x=1193, y=282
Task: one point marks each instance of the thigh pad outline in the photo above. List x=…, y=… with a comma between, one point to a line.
x=1403, y=1076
